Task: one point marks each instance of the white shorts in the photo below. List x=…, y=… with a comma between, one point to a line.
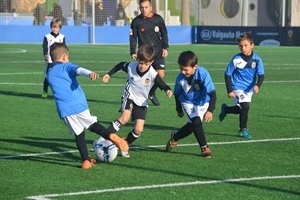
x=79, y=122
x=242, y=96
x=192, y=110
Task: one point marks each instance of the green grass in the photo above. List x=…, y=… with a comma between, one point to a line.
x=44, y=161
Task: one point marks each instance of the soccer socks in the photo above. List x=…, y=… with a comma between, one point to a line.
x=100, y=130
x=115, y=126
x=183, y=132
x=45, y=85
x=81, y=146
x=199, y=132
x=131, y=137
x=244, y=115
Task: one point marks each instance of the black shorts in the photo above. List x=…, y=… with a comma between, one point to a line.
x=137, y=112
x=159, y=64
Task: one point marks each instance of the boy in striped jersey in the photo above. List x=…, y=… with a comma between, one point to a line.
x=141, y=76
x=49, y=39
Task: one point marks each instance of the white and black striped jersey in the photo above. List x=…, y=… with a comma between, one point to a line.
x=49, y=39
x=138, y=84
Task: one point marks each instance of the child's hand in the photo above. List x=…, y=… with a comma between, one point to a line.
x=105, y=78
x=169, y=93
x=180, y=114
x=94, y=76
x=46, y=57
x=208, y=117
x=256, y=89
x=231, y=95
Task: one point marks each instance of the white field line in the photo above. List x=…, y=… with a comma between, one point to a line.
x=154, y=146
x=48, y=196
x=122, y=85
x=297, y=67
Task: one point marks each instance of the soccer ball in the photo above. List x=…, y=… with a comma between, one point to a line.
x=105, y=150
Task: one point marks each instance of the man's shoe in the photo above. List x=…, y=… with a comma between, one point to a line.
x=206, y=152
x=154, y=100
x=121, y=143
x=222, y=114
x=88, y=164
x=45, y=95
x=245, y=133
x=171, y=143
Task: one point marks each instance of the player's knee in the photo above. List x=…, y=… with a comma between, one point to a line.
x=196, y=121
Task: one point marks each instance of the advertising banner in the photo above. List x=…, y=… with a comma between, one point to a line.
x=263, y=36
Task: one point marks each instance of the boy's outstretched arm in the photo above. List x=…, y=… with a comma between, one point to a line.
x=116, y=68
x=85, y=72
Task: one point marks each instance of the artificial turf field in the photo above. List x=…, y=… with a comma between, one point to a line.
x=39, y=160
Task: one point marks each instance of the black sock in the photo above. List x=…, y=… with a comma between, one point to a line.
x=81, y=146
x=131, y=137
x=183, y=132
x=232, y=110
x=198, y=131
x=99, y=130
x=244, y=115
x=115, y=126
x=46, y=85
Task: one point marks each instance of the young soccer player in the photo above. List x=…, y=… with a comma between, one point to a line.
x=141, y=76
x=195, y=94
x=71, y=103
x=243, y=76
x=49, y=39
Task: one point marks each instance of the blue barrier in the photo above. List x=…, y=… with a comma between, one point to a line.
x=83, y=34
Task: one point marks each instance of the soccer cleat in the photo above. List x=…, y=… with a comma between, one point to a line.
x=245, y=133
x=222, y=114
x=206, y=152
x=88, y=164
x=171, y=143
x=121, y=143
x=154, y=100
x=125, y=154
x=45, y=95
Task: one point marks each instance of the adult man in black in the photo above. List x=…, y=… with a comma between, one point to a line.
x=149, y=28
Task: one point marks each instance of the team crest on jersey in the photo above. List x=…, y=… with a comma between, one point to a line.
x=253, y=65
x=142, y=29
x=197, y=87
x=156, y=29
x=147, y=81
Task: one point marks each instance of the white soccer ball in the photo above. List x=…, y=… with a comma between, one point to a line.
x=105, y=150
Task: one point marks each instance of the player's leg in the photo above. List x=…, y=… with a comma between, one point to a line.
x=75, y=128
x=243, y=119
x=126, y=110
x=45, y=83
x=159, y=66
x=138, y=116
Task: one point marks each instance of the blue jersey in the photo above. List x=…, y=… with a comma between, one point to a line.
x=244, y=73
x=195, y=91
x=69, y=96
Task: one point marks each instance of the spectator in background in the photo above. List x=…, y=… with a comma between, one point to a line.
x=58, y=13
x=39, y=15
x=120, y=16
x=100, y=14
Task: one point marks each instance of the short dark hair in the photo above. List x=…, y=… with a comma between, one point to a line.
x=145, y=53
x=142, y=1
x=187, y=58
x=245, y=36
x=57, y=50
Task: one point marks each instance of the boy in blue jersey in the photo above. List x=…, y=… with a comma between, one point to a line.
x=243, y=76
x=195, y=94
x=71, y=103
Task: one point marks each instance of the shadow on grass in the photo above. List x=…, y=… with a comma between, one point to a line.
x=57, y=146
